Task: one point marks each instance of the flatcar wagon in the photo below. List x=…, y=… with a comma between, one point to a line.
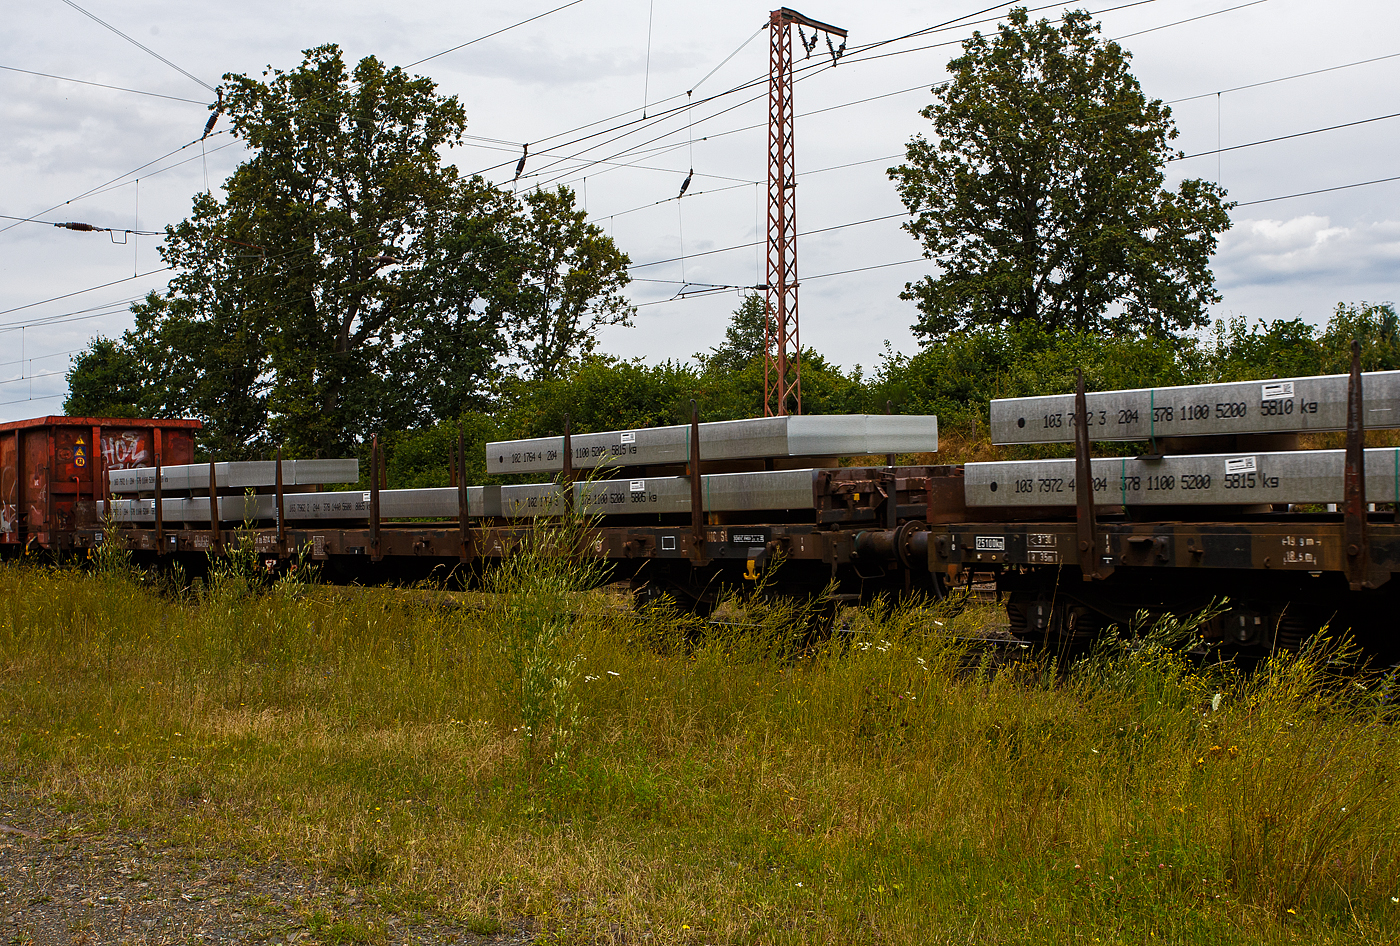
x=1219, y=503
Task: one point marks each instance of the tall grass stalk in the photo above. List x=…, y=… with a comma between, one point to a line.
x=536, y=595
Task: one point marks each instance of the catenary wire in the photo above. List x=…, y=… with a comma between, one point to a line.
x=53, y=354
x=1171, y=102
x=744, y=246
x=107, y=188
x=1299, y=75
x=95, y=312
x=79, y=292
x=892, y=216
x=123, y=308
x=936, y=85
x=119, y=177
x=25, y=400
x=33, y=377
x=1299, y=134
x=1322, y=190
x=1252, y=202
x=138, y=45
x=50, y=223
x=103, y=85
x=720, y=190
x=925, y=85
x=631, y=111
x=818, y=67
x=844, y=272
x=1191, y=19
x=498, y=32
x=85, y=314
x=100, y=187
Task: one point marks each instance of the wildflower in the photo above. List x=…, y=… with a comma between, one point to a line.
x=614, y=673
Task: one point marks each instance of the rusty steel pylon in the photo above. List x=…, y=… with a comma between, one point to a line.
x=782, y=361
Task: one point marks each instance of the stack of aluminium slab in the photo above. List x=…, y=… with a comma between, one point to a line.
x=234, y=477
x=239, y=475
x=758, y=439
x=1294, y=476
x=721, y=492
x=1292, y=405
x=1286, y=406
x=841, y=435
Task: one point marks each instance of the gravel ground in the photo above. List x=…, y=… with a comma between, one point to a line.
x=66, y=879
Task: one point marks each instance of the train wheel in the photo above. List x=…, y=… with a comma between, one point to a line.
x=1292, y=630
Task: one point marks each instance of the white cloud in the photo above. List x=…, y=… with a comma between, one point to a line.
x=1308, y=248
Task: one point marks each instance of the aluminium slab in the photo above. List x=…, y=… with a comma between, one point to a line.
x=719, y=492
x=323, y=472
x=143, y=510
x=1296, y=476
x=1286, y=405
x=424, y=503
x=759, y=437
x=433, y=503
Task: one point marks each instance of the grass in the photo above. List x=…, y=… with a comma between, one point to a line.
x=548, y=759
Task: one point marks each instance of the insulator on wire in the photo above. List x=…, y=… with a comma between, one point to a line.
x=835, y=52
x=685, y=184
x=218, y=108
x=520, y=166
x=86, y=227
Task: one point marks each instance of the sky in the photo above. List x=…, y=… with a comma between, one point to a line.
x=1232, y=71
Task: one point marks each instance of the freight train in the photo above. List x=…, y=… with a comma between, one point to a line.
x=1218, y=503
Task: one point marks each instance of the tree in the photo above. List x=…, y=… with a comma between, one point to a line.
x=1042, y=197
x=1374, y=325
x=746, y=338
x=351, y=281
x=308, y=266
x=103, y=382
x=566, y=280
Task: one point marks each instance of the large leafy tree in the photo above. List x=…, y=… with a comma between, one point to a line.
x=351, y=281
x=745, y=340
x=101, y=376
x=565, y=280
x=1041, y=195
